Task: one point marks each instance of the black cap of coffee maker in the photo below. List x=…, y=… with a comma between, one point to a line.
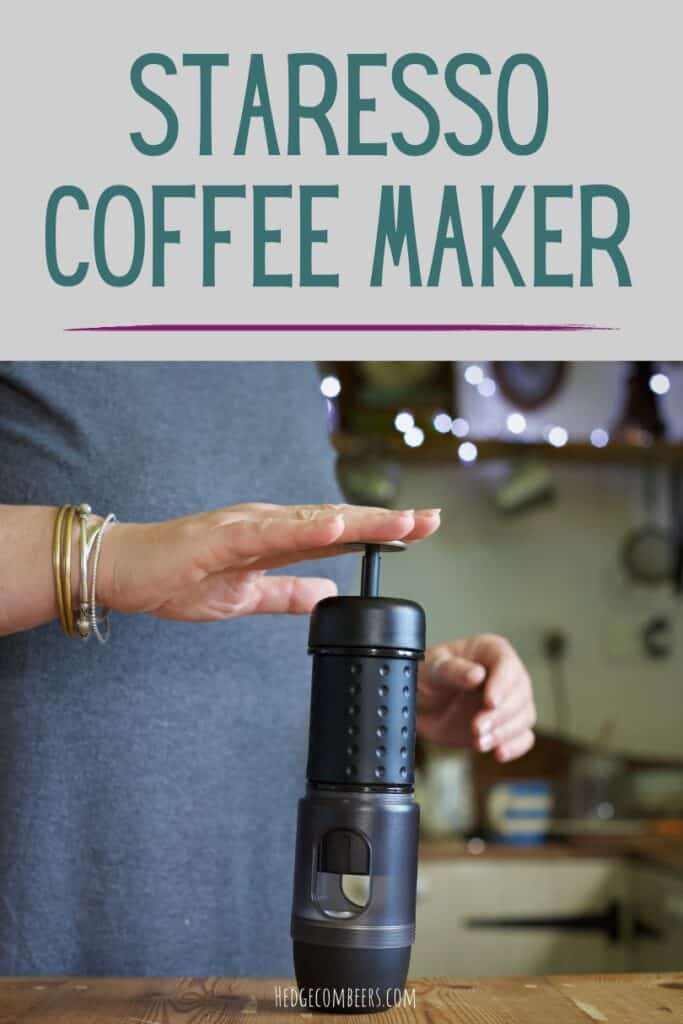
x=382, y=622
x=369, y=621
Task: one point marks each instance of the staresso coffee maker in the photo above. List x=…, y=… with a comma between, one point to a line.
x=353, y=916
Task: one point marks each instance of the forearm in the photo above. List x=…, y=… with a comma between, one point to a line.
x=27, y=587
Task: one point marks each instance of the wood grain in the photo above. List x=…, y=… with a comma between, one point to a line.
x=456, y=849
x=586, y=999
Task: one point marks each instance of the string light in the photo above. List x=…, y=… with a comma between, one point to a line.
x=516, y=423
x=487, y=387
x=442, y=423
x=660, y=383
x=413, y=437
x=474, y=375
x=404, y=420
x=467, y=452
x=460, y=427
x=558, y=437
x=599, y=437
x=330, y=387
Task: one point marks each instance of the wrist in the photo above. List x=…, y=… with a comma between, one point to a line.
x=107, y=591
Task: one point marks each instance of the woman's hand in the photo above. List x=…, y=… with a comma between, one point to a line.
x=476, y=693
x=213, y=565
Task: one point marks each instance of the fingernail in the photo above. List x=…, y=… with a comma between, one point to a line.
x=485, y=742
x=476, y=674
x=485, y=726
x=428, y=512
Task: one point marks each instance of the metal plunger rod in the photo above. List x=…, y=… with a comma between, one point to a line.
x=372, y=558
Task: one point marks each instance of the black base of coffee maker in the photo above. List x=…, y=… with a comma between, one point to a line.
x=346, y=980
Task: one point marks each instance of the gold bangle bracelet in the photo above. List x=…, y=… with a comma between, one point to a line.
x=57, y=563
x=78, y=621
x=67, y=541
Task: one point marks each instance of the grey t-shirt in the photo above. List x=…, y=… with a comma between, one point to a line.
x=148, y=788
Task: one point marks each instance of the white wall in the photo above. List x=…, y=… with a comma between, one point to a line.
x=556, y=565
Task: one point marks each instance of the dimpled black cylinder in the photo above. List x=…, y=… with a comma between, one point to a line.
x=365, y=657
x=362, y=718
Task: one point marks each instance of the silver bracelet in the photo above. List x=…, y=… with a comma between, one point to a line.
x=83, y=620
x=96, y=540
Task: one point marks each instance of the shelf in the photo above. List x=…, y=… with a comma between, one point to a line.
x=443, y=448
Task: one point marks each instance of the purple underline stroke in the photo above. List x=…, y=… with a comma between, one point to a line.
x=415, y=328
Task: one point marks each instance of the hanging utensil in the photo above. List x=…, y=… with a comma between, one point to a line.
x=649, y=552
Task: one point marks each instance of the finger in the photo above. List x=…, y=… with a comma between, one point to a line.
x=291, y=595
x=235, y=544
x=428, y=727
x=442, y=667
x=516, y=747
x=377, y=525
x=228, y=595
x=487, y=720
x=426, y=520
x=507, y=691
x=444, y=727
x=504, y=669
x=429, y=699
x=267, y=510
x=512, y=727
x=374, y=526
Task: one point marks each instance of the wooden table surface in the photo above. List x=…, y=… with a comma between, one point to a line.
x=580, y=999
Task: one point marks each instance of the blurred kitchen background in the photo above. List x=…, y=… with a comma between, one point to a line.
x=561, y=486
